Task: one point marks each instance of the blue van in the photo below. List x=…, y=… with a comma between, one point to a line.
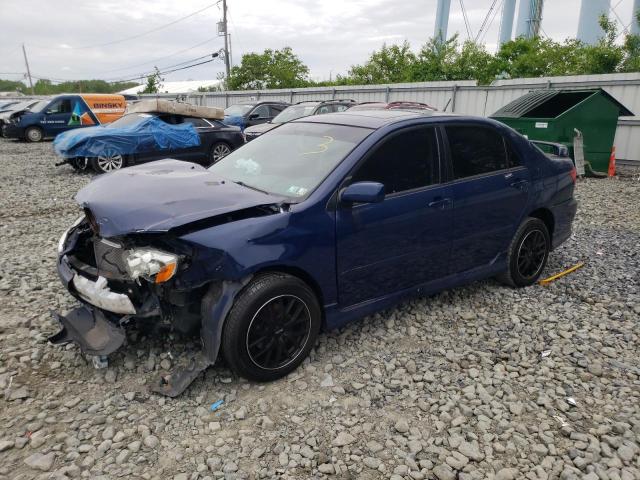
x=48, y=118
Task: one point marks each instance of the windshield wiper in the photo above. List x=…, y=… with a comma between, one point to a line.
x=242, y=184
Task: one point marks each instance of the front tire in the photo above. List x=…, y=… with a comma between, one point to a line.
x=80, y=164
x=271, y=327
x=528, y=254
x=109, y=161
x=33, y=134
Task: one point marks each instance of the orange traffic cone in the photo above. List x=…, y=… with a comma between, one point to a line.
x=612, y=162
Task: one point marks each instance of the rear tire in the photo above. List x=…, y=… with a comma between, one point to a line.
x=33, y=134
x=109, y=161
x=218, y=151
x=271, y=328
x=528, y=254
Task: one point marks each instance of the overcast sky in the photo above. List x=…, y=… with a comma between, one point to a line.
x=328, y=35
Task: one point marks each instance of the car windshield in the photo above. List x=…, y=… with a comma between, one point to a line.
x=40, y=106
x=293, y=112
x=128, y=120
x=237, y=110
x=291, y=160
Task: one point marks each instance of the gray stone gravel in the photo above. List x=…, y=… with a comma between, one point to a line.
x=453, y=386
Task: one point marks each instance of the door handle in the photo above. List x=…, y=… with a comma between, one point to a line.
x=519, y=184
x=441, y=203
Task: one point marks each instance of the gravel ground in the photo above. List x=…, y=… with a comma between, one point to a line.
x=478, y=382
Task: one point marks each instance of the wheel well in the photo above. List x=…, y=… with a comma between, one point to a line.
x=218, y=142
x=31, y=127
x=302, y=275
x=547, y=217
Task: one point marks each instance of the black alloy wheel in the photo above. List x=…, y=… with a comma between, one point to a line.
x=271, y=327
x=527, y=254
x=278, y=332
x=532, y=254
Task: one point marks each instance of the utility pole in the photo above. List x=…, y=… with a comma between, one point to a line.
x=24, y=52
x=227, y=64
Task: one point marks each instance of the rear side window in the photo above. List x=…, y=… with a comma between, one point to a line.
x=406, y=161
x=196, y=122
x=475, y=150
x=276, y=109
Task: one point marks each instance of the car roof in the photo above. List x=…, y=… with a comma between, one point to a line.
x=325, y=102
x=371, y=118
x=259, y=102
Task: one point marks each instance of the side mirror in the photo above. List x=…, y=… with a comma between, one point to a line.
x=253, y=116
x=363, y=192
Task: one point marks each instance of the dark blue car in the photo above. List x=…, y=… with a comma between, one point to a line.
x=319, y=222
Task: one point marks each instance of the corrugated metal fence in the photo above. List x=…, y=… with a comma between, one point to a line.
x=465, y=97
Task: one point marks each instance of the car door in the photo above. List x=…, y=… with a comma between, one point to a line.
x=57, y=117
x=405, y=239
x=200, y=153
x=260, y=114
x=489, y=194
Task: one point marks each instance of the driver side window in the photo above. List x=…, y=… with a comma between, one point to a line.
x=262, y=111
x=406, y=161
x=60, y=106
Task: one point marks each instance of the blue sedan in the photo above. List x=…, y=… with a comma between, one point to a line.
x=321, y=221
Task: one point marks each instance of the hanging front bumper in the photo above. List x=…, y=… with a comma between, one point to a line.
x=90, y=330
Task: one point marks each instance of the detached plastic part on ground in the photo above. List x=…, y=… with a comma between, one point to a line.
x=148, y=134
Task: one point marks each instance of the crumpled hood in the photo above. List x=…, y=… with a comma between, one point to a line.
x=161, y=195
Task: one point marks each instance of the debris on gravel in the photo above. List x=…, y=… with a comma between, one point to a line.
x=453, y=386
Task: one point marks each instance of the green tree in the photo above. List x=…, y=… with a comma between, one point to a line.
x=12, y=86
x=154, y=82
x=388, y=65
x=434, y=60
x=270, y=69
x=605, y=56
x=473, y=62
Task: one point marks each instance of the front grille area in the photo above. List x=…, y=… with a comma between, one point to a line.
x=109, y=257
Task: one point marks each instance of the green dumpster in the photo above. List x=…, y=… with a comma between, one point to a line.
x=552, y=115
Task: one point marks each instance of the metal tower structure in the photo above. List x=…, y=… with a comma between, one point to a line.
x=589, y=30
x=529, y=18
x=635, y=23
x=506, y=23
x=442, y=20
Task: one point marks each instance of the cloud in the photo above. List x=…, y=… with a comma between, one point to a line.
x=329, y=35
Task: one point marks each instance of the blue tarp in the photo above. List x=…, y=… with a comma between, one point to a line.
x=139, y=134
x=235, y=120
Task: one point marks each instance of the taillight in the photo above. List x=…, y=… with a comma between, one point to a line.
x=573, y=173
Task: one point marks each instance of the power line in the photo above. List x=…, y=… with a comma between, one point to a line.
x=171, y=71
x=486, y=19
x=132, y=37
x=466, y=20
x=495, y=14
x=151, y=62
x=162, y=68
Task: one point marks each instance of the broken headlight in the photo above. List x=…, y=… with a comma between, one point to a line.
x=151, y=264
x=63, y=238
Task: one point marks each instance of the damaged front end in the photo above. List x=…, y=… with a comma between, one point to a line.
x=125, y=279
